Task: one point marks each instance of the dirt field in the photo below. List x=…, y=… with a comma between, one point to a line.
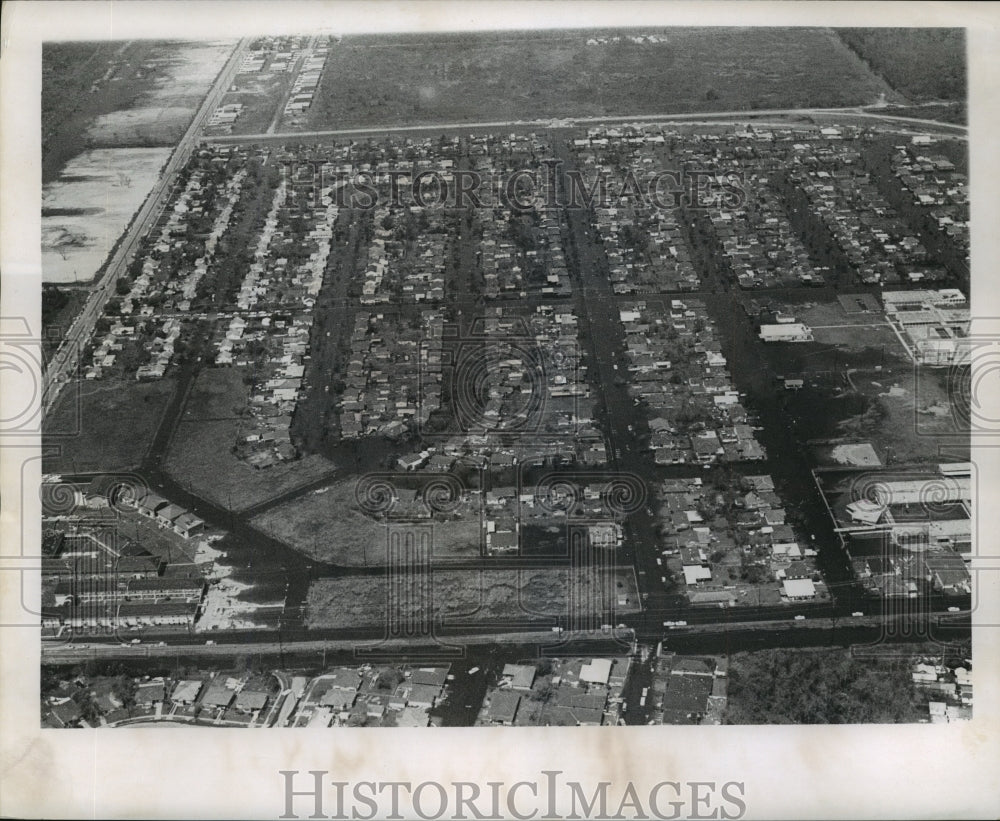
x=107, y=426
x=488, y=77
x=184, y=73
x=86, y=210
x=920, y=424
x=201, y=456
x=468, y=596
x=85, y=84
x=330, y=526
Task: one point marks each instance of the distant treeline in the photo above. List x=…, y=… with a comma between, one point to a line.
x=921, y=64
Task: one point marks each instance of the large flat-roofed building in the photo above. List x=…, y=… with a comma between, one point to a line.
x=786, y=332
x=931, y=325
x=798, y=589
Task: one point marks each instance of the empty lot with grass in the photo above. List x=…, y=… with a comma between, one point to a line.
x=473, y=596
x=330, y=526
x=103, y=426
x=201, y=453
x=501, y=76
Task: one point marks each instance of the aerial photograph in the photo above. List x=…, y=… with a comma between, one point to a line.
x=566, y=377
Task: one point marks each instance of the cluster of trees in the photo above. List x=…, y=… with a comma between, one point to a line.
x=53, y=301
x=820, y=687
x=923, y=64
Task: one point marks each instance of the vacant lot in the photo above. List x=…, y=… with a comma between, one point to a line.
x=861, y=386
x=330, y=526
x=89, y=88
x=484, y=77
x=201, y=454
x=85, y=211
x=916, y=419
x=471, y=596
x=105, y=425
x=260, y=95
x=832, y=325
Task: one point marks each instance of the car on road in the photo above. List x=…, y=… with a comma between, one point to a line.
x=800, y=618
x=954, y=610
x=857, y=613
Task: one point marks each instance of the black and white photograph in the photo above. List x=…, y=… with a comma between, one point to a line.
x=448, y=380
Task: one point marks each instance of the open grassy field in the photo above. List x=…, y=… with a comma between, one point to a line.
x=103, y=426
x=330, y=526
x=831, y=325
x=470, y=596
x=507, y=76
x=201, y=454
x=260, y=96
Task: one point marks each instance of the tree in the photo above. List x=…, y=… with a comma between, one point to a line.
x=124, y=688
x=389, y=679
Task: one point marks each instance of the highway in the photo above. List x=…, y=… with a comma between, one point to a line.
x=731, y=636
x=740, y=116
x=66, y=359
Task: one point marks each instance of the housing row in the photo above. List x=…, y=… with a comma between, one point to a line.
x=555, y=518
x=757, y=242
x=306, y=80
x=678, y=373
x=393, y=379
x=571, y=692
x=95, y=582
x=518, y=391
x=406, y=257
x=141, y=330
x=270, y=333
x=935, y=184
x=733, y=545
x=644, y=246
x=520, y=251
x=879, y=245
x=276, y=53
